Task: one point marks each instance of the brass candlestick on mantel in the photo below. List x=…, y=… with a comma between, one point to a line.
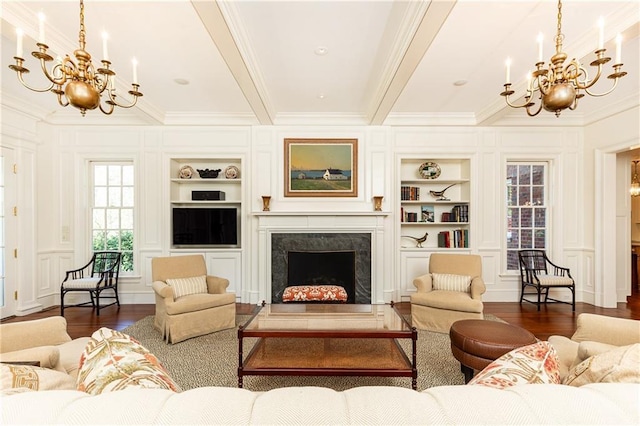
x=266, y=201
x=377, y=202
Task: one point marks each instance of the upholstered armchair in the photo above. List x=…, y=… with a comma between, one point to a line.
x=189, y=302
x=451, y=291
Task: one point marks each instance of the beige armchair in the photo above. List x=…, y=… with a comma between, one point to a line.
x=44, y=341
x=191, y=315
x=438, y=302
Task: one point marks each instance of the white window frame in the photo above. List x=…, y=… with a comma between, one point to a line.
x=547, y=163
x=119, y=162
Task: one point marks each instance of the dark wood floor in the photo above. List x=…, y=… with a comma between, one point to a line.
x=553, y=319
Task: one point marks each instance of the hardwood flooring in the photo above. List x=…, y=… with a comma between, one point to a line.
x=553, y=319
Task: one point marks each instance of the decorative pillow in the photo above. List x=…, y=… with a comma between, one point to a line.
x=14, y=376
x=185, y=286
x=588, y=348
x=114, y=361
x=536, y=363
x=326, y=293
x=47, y=356
x=615, y=366
x=451, y=282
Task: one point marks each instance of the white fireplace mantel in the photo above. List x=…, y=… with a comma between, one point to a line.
x=318, y=222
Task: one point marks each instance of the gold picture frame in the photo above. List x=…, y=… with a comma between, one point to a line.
x=321, y=167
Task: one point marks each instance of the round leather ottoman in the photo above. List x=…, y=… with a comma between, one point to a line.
x=477, y=343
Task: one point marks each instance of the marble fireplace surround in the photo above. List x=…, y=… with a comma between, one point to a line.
x=358, y=229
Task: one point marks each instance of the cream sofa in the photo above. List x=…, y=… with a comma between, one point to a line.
x=527, y=404
x=45, y=340
x=594, y=335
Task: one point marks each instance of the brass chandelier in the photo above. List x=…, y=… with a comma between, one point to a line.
x=634, y=190
x=559, y=87
x=77, y=83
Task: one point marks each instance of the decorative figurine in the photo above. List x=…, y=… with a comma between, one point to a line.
x=439, y=195
x=418, y=240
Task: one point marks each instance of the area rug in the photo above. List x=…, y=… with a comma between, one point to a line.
x=212, y=360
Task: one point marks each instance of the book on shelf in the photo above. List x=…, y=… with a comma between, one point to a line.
x=428, y=214
x=455, y=238
x=409, y=193
x=458, y=213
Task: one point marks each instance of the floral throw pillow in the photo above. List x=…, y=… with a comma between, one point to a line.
x=114, y=361
x=536, y=363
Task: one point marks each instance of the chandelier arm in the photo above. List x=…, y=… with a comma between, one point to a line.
x=586, y=83
x=524, y=105
x=531, y=104
x=108, y=110
x=134, y=92
x=25, y=84
x=596, y=95
x=62, y=102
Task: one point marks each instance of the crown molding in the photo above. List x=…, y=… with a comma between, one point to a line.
x=431, y=119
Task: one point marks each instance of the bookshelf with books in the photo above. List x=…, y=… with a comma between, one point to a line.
x=434, y=199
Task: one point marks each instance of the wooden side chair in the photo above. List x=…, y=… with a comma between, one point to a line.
x=537, y=272
x=100, y=274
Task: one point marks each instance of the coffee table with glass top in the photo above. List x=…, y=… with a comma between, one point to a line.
x=314, y=339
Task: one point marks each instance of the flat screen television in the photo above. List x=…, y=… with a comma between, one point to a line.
x=204, y=226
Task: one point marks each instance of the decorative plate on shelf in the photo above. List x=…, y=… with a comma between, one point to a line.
x=429, y=170
x=186, y=172
x=231, y=172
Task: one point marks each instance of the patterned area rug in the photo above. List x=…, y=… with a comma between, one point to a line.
x=212, y=360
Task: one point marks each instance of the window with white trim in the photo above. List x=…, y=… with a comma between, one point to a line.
x=112, y=210
x=527, y=209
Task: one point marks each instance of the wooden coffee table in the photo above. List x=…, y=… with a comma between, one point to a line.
x=327, y=340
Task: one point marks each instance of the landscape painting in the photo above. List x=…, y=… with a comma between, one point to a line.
x=321, y=167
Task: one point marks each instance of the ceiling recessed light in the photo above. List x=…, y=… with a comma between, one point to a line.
x=460, y=82
x=320, y=95
x=321, y=51
x=181, y=81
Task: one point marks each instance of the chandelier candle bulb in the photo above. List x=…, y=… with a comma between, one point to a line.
x=601, y=33
x=41, y=19
x=135, y=70
x=105, y=51
x=508, y=64
x=618, y=49
x=540, y=39
x=19, y=34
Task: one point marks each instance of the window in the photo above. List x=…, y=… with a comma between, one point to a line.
x=112, y=210
x=527, y=209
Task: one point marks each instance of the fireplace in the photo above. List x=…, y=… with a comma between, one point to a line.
x=323, y=268
x=342, y=259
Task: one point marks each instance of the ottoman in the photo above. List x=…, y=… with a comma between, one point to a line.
x=477, y=343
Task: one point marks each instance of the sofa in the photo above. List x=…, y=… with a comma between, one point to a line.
x=528, y=404
x=126, y=384
x=596, y=337
x=44, y=341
